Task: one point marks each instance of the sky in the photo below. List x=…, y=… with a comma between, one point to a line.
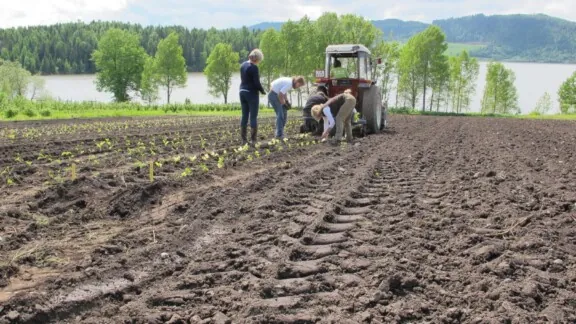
x=237, y=13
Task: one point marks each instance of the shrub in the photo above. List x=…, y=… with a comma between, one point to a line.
x=29, y=112
x=10, y=113
x=45, y=113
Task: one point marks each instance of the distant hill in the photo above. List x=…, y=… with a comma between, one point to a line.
x=399, y=29
x=538, y=38
x=267, y=25
x=528, y=38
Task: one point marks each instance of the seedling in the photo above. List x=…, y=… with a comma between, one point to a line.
x=186, y=172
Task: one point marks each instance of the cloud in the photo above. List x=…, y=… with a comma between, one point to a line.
x=236, y=13
x=41, y=12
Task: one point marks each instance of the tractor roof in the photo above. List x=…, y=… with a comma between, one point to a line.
x=346, y=49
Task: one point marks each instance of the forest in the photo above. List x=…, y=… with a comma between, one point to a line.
x=66, y=48
x=524, y=38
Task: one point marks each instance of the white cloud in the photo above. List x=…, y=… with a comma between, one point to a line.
x=236, y=13
x=40, y=12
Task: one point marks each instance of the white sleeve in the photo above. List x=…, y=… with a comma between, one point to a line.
x=286, y=88
x=330, y=118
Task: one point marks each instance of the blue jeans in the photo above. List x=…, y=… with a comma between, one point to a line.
x=281, y=113
x=250, y=101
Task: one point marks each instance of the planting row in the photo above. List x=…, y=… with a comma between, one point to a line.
x=181, y=153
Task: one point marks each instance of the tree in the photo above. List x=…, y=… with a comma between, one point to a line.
x=439, y=82
x=543, y=105
x=430, y=46
x=150, y=82
x=291, y=35
x=389, y=53
x=221, y=64
x=500, y=95
x=567, y=95
x=357, y=30
x=37, y=87
x=271, y=46
x=170, y=65
x=14, y=79
x=463, y=77
x=409, y=78
x=120, y=62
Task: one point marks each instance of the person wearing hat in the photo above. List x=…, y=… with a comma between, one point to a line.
x=338, y=112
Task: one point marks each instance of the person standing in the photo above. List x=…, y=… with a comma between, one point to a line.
x=341, y=106
x=249, y=98
x=279, y=101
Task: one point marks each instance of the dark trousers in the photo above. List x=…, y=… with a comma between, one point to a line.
x=250, y=102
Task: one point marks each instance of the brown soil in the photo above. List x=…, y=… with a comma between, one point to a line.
x=439, y=220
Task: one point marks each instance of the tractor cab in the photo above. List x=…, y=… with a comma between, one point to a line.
x=349, y=66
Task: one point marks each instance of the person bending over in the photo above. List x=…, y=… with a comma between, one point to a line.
x=279, y=101
x=338, y=112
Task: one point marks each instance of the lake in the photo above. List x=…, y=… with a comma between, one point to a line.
x=532, y=80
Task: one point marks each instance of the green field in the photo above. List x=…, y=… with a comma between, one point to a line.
x=22, y=109
x=457, y=48
x=28, y=110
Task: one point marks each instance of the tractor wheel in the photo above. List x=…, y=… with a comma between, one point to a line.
x=372, y=109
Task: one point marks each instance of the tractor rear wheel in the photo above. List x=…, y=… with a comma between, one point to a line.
x=372, y=109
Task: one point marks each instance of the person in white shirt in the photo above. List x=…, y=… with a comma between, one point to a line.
x=279, y=101
x=338, y=112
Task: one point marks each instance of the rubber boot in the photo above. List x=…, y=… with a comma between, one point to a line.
x=254, y=135
x=243, y=134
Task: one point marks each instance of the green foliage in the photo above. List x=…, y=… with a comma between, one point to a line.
x=150, y=82
x=120, y=62
x=10, y=113
x=389, y=52
x=221, y=64
x=170, y=65
x=544, y=105
x=67, y=48
x=454, y=49
x=430, y=48
x=423, y=65
x=567, y=95
x=409, y=78
x=515, y=37
x=500, y=95
x=463, y=75
x=270, y=67
x=14, y=79
x=29, y=112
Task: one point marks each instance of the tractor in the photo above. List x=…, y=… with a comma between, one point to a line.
x=353, y=71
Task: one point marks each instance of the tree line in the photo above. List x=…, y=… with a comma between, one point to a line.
x=67, y=48
x=418, y=72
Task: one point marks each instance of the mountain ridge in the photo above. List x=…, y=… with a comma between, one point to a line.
x=512, y=37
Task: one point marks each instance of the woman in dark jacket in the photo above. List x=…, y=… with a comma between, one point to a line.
x=249, y=98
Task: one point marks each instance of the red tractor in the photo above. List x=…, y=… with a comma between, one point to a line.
x=348, y=66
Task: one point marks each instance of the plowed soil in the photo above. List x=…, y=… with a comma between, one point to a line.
x=438, y=220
